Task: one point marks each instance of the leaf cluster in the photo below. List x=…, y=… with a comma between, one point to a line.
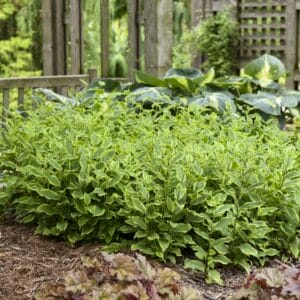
x=216, y=38
x=257, y=90
x=214, y=189
x=119, y=277
x=271, y=283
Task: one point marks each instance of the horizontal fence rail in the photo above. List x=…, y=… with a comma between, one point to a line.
x=61, y=84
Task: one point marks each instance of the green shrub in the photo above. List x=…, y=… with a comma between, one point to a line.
x=224, y=190
x=187, y=49
x=216, y=38
x=257, y=89
x=218, y=41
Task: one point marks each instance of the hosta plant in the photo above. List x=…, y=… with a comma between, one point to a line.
x=119, y=277
x=257, y=90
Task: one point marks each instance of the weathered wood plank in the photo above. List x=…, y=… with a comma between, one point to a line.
x=47, y=37
x=254, y=15
x=297, y=76
x=92, y=75
x=59, y=38
x=44, y=82
x=158, y=36
x=220, y=5
x=197, y=12
x=291, y=42
x=133, y=37
x=52, y=81
x=76, y=37
x=105, y=28
x=64, y=91
x=298, y=39
x=5, y=105
x=257, y=4
x=263, y=26
x=263, y=37
x=262, y=48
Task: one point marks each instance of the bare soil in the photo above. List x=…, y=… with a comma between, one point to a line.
x=27, y=261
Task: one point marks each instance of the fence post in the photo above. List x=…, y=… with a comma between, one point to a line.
x=133, y=37
x=76, y=36
x=92, y=74
x=197, y=15
x=158, y=36
x=47, y=37
x=59, y=38
x=291, y=42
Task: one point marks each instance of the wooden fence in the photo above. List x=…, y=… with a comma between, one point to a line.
x=265, y=26
x=61, y=83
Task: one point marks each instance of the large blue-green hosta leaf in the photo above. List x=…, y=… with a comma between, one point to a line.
x=295, y=112
x=147, y=96
x=265, y=102
x=182, y=83
x=266, y=67
x=145, y=78
x=183, y=79
x=289, y=98
x=220, y=101
x=190, y=73
x=241, y=84
x=52, y=96
x=206, y=78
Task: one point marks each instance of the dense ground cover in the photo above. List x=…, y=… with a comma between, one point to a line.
x=169, y=182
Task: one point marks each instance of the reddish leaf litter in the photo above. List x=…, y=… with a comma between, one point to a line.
x=27, y=261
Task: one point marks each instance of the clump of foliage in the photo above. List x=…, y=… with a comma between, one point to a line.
x=257, y=89
x=15, y=57
x=216, y=38
x=121, y=277
x=20, y=42
x=186, y=50
x=271, y=283
x=218, y=41
x=221, y=189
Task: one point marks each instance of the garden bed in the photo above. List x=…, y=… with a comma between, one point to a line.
x=27, y=261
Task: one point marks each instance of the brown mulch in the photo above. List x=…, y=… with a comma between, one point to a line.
x=27, y=261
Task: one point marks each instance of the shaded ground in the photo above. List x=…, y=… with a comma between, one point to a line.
x=27, y=261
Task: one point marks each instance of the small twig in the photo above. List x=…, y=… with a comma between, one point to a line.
x=282, y=263
x=16, y=248
x=213, y=297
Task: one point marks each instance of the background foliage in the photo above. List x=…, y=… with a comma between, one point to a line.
x=20, y=38
x=21, y=30
x=216, y=38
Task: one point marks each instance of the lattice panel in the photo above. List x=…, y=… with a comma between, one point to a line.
x=263, y=25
